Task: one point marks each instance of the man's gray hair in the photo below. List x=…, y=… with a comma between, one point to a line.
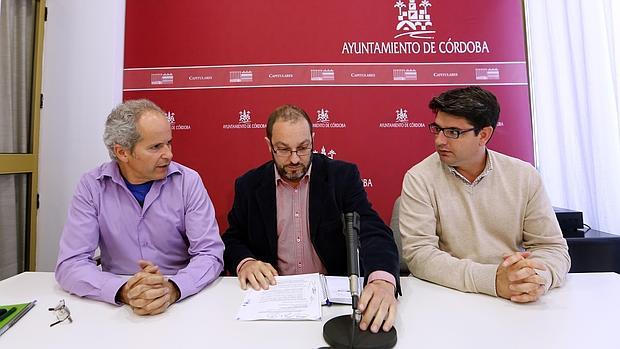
x=121, y=128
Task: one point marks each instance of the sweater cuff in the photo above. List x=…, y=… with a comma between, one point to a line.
x=484, y=278
x=545, y=274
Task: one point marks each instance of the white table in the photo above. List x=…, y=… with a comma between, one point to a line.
x=584, y=313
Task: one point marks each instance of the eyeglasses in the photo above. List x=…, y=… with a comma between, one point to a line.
x=285, y=153
x=62, y=313
x=449, y=132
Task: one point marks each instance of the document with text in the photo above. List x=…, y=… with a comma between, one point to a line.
x=294, y=297
x=336, y=289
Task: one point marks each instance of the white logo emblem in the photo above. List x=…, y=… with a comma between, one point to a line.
x=176, y=125
x=245, y=122
x=244, y=116
x=162, y=79
x=322, y=74
x=413, y=21
x=241, y=76
x=402, y=121
x=322, y=120
x=401, y=115
x=170, y=117
x=404, y=74
x=487, y=74
x=322, y=116
x=330, y=154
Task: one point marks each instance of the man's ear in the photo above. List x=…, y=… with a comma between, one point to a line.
x=121, y=153
x=268, y=145
x=485, y=134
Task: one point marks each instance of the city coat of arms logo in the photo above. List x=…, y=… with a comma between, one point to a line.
x=244, y=117
x=414, y=20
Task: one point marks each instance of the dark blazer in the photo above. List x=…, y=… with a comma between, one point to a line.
x=335, y=188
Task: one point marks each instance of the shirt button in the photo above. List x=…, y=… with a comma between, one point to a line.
x=298, y=239
x=296, y=190
x=296, y=214
x=299, y=264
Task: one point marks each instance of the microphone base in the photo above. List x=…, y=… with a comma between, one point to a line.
x=339, y=331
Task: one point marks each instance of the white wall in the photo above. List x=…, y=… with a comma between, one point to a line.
x=82, y=82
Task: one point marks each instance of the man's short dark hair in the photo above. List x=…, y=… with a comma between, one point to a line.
x=287, y=112
x=478, y=106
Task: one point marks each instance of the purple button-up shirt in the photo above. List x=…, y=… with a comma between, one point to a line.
x=175, y=229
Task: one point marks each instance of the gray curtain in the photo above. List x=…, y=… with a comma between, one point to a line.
x=13, y=196
x=17, y=20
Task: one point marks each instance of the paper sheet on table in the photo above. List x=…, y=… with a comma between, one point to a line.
x=295, y=297
x=336, y=289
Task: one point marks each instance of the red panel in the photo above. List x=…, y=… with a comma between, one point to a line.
x=219, y=70
x=189, y=32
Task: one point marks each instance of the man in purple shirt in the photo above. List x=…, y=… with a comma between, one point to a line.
x=286, y=219
x=151, y=218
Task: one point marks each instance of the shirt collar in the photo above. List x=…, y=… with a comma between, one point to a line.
x=112, y=170
x=487, y=170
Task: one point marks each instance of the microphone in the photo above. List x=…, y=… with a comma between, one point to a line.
x=344, y=331
x=351, y=229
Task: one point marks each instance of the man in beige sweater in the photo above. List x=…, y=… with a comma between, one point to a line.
x=474, y=219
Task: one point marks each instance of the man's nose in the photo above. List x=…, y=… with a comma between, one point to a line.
x=294, y=157
x=167, y=153
x=440, y=139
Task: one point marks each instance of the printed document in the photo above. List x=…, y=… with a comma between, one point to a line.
x=336, y=289
x=294, y=297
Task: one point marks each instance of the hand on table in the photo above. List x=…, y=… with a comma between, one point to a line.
x=258, y=274
x=148, y=292
x=378, y=306
x=516, y=278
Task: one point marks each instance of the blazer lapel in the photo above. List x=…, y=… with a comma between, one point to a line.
x=265, y=197
x=318, y=182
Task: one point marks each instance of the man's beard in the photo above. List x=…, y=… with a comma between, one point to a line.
x=297, y=175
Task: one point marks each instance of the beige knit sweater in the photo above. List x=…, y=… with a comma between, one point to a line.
x=455, y=233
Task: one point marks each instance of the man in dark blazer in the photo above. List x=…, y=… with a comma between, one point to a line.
x=286, y=219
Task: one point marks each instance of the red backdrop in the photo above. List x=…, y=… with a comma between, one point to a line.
x=364, y=71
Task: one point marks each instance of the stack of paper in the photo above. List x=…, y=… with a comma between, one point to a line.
x=294, y=297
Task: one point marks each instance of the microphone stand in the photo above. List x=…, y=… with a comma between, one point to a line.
x=344, y=331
